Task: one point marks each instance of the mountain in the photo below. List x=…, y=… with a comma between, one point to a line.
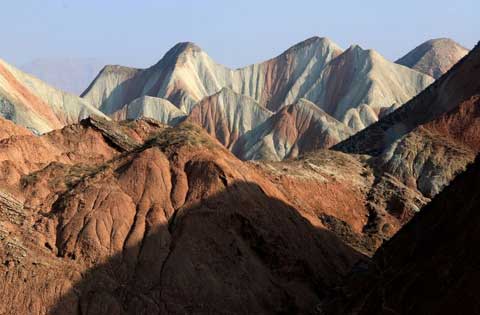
x=227, y=116
x=114, y=85
x=430, y=139
x=430, y=265
x=295, y=129
x=132, y=217
x=150, y=107
x=32, y=103
x=434, y=57
x=72, y=75
x=352, y=86
x=358, y=84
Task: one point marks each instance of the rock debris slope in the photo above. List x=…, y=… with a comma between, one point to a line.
x=352, y=86
x=434, y=57
x=31, y=103
x=429, y=140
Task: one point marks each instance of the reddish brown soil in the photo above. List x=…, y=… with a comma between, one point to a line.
x=174, y=225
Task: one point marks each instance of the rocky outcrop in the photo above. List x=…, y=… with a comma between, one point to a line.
x=429, y=267
x=31, y=103
x=93, y=141
x=295, y=129
x=357, y=81
x=434, y=57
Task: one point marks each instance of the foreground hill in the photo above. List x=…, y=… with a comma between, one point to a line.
x=32, y=103
x=352, y=86
x=431, y=138
x=136, y=216
x=430, y=266
x=434, y=57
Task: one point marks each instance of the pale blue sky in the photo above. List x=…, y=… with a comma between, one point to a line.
x=234, y=33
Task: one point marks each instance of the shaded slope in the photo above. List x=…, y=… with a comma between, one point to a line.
x=345, y=194
x=430, y=266
x=434, y=57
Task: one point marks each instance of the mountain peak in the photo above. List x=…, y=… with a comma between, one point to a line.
x=117, y=69
x=314, y=41
x=443, y=41
x=183, y=48
x=434, y=57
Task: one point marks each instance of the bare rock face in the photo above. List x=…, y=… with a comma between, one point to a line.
x=429, y=140
x=295, y=129
x=228, y=116
x=434, y=57
x=159, y=220
x=352, y=86
x=31, y=103
x=429, y=267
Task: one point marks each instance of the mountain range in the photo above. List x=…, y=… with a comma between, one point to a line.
x=321, y=181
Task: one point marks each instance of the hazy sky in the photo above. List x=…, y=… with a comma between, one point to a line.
x=234, y=33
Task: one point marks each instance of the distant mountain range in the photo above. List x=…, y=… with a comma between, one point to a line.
x=68, y=74
x=337, y=93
